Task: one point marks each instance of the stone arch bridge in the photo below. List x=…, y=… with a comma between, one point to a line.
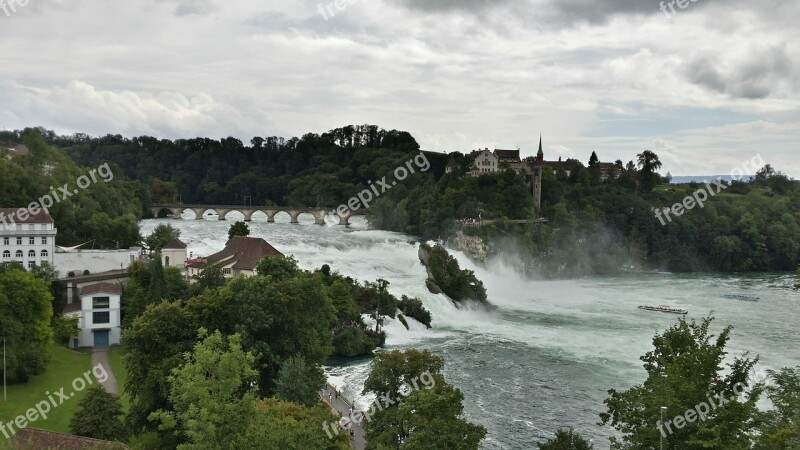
x=247, y=211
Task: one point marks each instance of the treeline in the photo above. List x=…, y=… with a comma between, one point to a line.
x=105, y=212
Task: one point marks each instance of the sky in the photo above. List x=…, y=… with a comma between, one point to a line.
x=710, y=88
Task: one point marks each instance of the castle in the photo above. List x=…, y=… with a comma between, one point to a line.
x=486, y=162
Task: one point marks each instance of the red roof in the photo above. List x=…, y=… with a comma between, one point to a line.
x=244, y=252
x=39, y=217
x=33, y=438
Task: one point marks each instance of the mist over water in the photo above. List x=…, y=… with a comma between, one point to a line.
x=547, y=356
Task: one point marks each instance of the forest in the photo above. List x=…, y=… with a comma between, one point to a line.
x=595, y=226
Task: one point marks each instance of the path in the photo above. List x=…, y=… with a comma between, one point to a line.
x=100, y=356
x=341, y=406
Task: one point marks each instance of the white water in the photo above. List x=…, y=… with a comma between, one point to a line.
x=547, y=356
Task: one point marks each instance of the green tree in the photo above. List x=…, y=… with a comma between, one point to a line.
x=238, y=229
x=161, y=236
x=780, y=427
x=284, y=425
x=299, y=381
x=212, y=393
x=210, y=277
x=683, y=372
x=566, y=440
x=594, y=161
x=279, y=267
x=648, y=164
x=418, y=409
x=99, y=416
x=64, y=328
x=27, y=306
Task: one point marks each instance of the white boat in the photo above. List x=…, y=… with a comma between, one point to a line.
x=745, y=297
x=665, y=309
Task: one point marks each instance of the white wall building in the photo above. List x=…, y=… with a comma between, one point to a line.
x=98, y=315
x=95, y=261
x=28, y=239
x=174, y=254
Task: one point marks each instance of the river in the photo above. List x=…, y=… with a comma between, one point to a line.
x=546, y=358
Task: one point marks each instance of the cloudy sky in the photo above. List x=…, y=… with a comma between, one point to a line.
x=707, y=88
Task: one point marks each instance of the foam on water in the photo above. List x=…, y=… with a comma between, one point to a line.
x=547, y=356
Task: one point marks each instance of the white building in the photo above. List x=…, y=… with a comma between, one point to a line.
x=174, y=254
x=28, y=239
x=485, y=162
x=95, y=261
x=98, y=315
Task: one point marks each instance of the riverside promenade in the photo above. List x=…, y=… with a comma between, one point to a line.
x=341, y=407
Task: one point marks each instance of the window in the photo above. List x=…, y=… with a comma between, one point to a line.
x=44, y=241
x=18, y=254
x=5, y=241
x=166, y=261
x=32, y=240
x=31, y=254
x=101, y=302
x=44, y=254
x=19, y=241
x=6, y=254
x=31, y=265
x=226, y=271
x=101, y=317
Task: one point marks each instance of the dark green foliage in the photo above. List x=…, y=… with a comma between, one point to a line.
x=27, y=311
x=238, y=229
x=356, y=341
x=456, y=283
x=427, y=417
x=566, y=440
x=161, y=236
x=683, y=371
x=412, y=307
x=278, y=267
x=780, y=427
x=64, y=328
x=99, y=416
x=106, y=212
x=299, y=381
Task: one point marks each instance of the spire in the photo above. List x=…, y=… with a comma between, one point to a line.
x=540, y=155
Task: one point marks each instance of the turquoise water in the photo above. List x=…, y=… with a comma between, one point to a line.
x=547, y=356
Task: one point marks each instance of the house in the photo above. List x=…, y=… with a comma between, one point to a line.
x=8, y=150
x=174, y=254
x=452, y=166
x=485, y=163
x=27, y=238
x=239, y=257
x=98, y=315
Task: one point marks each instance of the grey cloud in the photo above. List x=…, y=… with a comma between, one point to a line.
x=756, y=79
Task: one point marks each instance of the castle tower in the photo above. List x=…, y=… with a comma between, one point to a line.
x=537, y=178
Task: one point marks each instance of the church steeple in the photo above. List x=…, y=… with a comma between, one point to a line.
x=540, y=155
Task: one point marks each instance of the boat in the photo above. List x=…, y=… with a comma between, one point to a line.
x=665, y=309
x=745, y=297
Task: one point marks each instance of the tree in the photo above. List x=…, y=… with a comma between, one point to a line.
x=299, y=381
x=212, y=393
x=64, y=328
x=781, y=426
x=163, y=192
x=161, y=236
x=27, y=306
x=238, y=229
x=594, y=161
x=566, y=440
x=418, y=410
x=210, y=277
x=279, y=267
x=99, y=416
x=648, y=164
x=284, y=425
x=684, y=373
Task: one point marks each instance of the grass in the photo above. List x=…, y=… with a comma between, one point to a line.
x=120, y=372
x=65, y=366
